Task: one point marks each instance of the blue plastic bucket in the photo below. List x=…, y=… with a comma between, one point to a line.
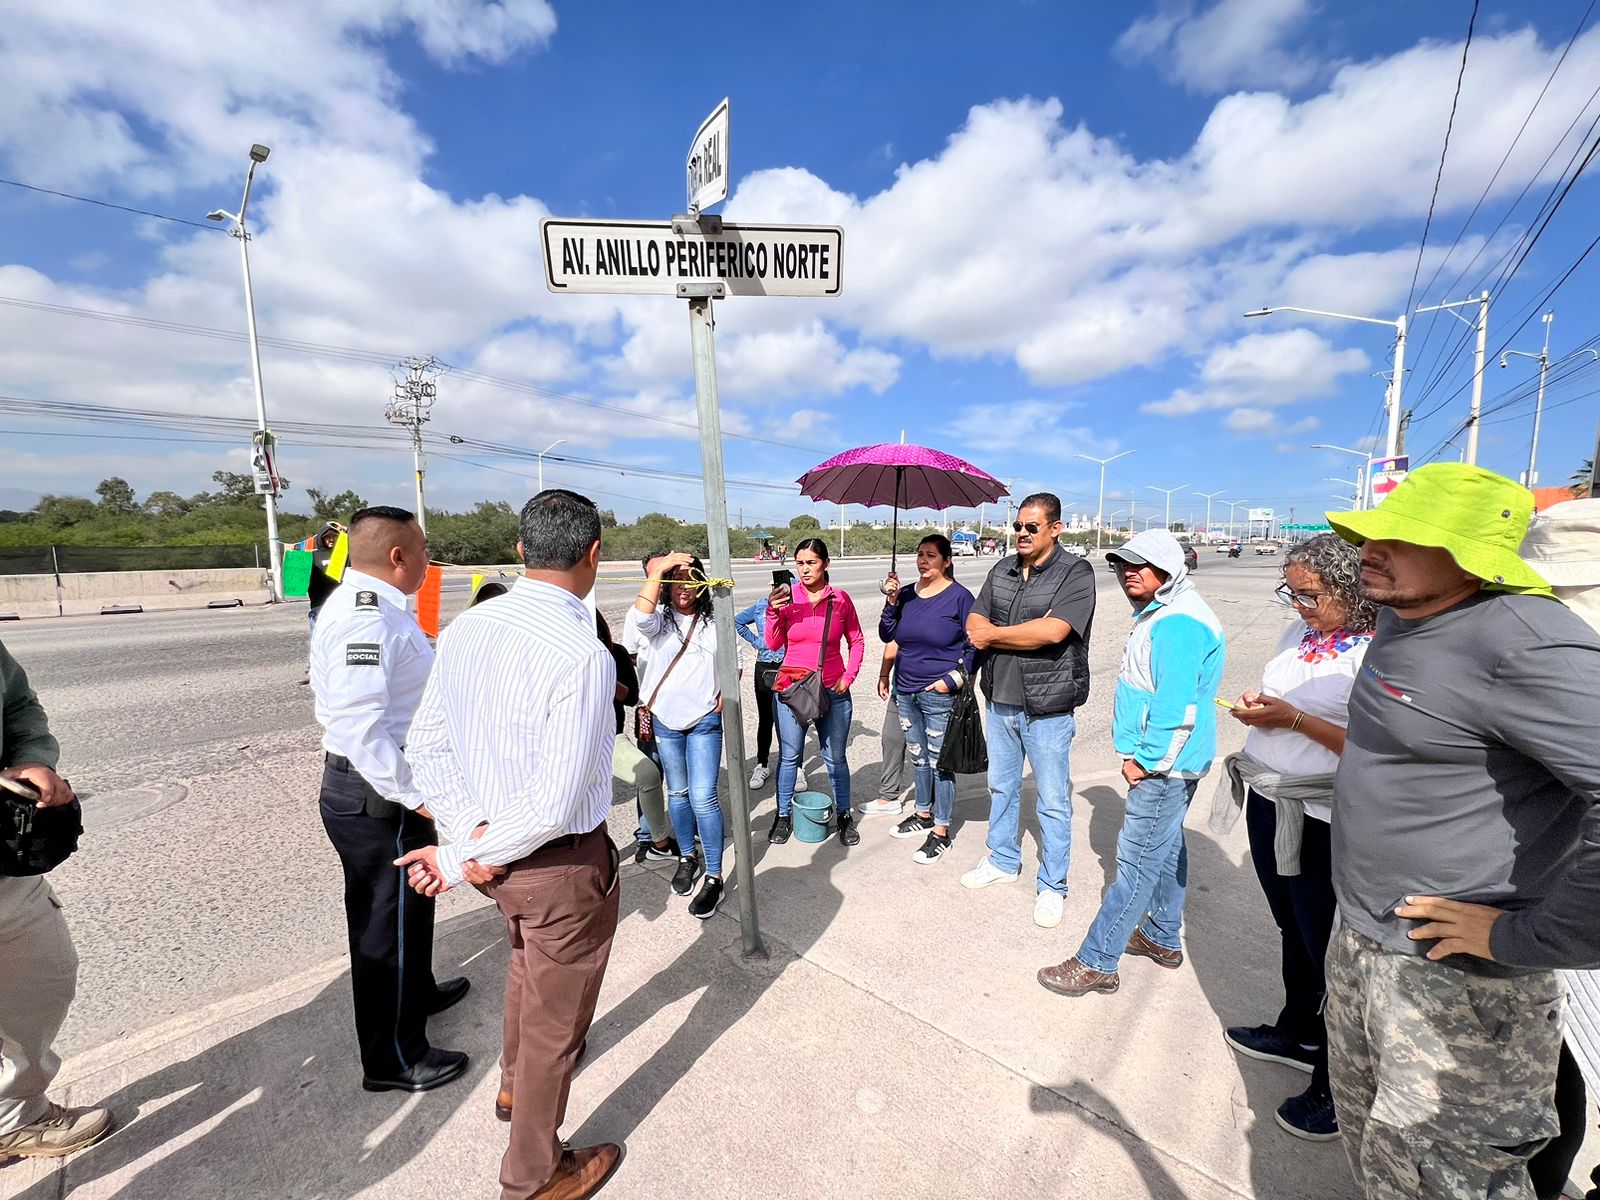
x=811, y=811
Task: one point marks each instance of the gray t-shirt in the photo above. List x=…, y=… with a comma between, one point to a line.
x=1472, y=772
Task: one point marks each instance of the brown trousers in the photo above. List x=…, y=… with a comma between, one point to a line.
x=560, y=905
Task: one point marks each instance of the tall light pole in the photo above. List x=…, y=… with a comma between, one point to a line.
x=1100, y=506
x=1210, y=496
x=1475, y=412
x=1391, y=396
x=1531, y=479
x=1361, y=474
x=265, y=449
x=1353, y=484
x=1233, y=529
x=542, y=453
x=1169, y=492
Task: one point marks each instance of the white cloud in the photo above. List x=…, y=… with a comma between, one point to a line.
x=1233, y=43
x=1029, y=426
x=1260, y=372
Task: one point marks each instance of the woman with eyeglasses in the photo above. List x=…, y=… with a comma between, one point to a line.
x=1285, y=778
x=815, y=625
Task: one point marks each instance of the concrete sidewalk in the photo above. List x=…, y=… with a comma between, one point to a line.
x=900, y=1049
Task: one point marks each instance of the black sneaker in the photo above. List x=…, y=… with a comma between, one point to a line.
x=849, y=835
x=932, y=849
x=650, y=852
x=706, y=903
x=782, y=826
x=1267, y=1044
x=913, y=826
x=1310, y=1115
x=688, y=871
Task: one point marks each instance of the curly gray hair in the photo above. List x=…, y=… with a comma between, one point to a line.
x=1338, y=564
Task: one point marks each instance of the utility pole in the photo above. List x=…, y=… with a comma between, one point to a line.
x=263, y=448
x=1233, y=530
x=1210, y=496
x=1475, y=413
x=1531, y=479
x=411, y=408
x=1100, y=506
x=1168, y=518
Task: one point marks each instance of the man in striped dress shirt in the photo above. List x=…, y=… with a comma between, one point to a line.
x=513, y=741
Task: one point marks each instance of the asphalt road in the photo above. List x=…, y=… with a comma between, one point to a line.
x=205, y=872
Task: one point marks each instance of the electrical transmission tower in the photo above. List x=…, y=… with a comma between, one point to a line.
x=411, y=408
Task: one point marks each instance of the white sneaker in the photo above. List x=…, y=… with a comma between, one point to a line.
x=881, y=807
x=1047, y=910
x=759, y=776
x=800, y=782
x=985, y=873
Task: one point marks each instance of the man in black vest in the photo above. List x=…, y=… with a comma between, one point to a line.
x=1031, y=627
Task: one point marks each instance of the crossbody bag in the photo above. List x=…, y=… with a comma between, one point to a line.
x=644, y=723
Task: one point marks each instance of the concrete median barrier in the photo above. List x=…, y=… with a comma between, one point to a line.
x=91, y=592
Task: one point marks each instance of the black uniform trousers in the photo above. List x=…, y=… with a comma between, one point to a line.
x=390, y=926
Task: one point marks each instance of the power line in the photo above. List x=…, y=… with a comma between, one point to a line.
x=1472, y=21
x=385, y=358
x=107, y=204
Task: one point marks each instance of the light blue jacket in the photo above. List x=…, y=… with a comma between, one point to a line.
x=1163, y=717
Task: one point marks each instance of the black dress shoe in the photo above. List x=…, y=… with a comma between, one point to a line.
x=782, y=826
x=437, y=1068
x=449, y=992
x=849, y=835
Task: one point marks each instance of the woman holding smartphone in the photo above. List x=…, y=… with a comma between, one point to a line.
x=928, y=621
x=796, y=616
x=685, y=701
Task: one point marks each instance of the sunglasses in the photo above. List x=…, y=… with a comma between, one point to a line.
x=1298, y=599
x=1031, y=527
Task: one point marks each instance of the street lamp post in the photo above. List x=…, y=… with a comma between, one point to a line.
x=1543, y=359
x=1100, y=506
x=542, y=453
x=1169, y=492
x=1361, y=474
x=258, y=155
x=1233, y=527
x=1391, y=398
x=1210, y=496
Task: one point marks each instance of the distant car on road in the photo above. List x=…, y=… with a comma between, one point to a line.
x=1267, y=548
x=1078, y=549
x=1191, y=556
x=959, y=549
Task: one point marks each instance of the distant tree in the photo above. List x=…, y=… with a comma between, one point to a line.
x=1578, y=484
x=116, y=497
x=608, y=518
x=336, y=507
x=62, y=511
x=235, y=485
x=166, y=506
x=805, y=521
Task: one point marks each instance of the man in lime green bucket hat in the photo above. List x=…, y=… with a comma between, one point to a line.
x=1466, y=844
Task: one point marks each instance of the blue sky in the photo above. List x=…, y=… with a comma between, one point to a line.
x=1055, y=217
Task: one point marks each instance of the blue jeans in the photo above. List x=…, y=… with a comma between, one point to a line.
x=923, y=716
x=1152, y=874
x=833, y=731
x=690, y=759
x=1047, y=743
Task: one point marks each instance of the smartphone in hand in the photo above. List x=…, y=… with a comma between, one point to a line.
x=782, y=578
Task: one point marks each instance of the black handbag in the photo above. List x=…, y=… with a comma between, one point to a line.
x=965, y=750
x=36, y=840
x=804, y=694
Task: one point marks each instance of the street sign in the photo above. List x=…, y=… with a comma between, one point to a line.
x=649, y=258
x=706, y=169
x=1323, y=528
x=1385, y=474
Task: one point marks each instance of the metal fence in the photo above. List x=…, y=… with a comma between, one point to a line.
x=72, y=560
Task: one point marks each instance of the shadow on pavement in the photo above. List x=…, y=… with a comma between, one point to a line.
x=1232, y=946
x=1088, y=1103
x=1107, y=807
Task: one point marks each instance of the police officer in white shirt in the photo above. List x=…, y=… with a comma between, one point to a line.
x=369, y=662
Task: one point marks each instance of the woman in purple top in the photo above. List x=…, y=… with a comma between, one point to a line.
x=929, y=623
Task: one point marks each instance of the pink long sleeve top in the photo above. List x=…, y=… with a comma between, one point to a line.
x=797, y=631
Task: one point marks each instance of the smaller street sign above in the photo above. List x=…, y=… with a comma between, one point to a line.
x=707, y=165
x=686, y=257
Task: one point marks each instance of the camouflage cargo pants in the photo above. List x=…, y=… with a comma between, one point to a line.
x=1444, y=1082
